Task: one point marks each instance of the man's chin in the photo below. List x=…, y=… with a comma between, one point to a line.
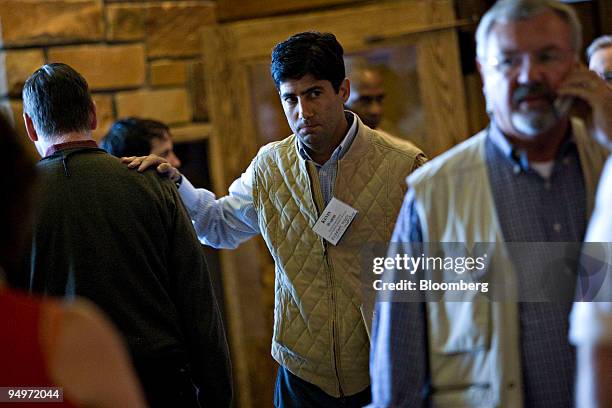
x=533, y=125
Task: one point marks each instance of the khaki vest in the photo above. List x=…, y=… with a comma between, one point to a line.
x=319, y=331
x=477, y=342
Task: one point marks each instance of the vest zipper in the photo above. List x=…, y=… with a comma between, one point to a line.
x=330, y=270
x=335, y=346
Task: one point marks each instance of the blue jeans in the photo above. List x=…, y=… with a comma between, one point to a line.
x=293, y=392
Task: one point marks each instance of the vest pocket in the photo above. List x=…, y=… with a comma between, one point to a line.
x=459, y=327
x=459, y=341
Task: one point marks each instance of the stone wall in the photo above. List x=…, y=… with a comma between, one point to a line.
x=140, y=58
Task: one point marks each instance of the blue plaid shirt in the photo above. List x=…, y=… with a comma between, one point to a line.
x=530, y=208
x=329, y=169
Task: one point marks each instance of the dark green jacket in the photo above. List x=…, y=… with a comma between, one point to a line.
x=123, y=240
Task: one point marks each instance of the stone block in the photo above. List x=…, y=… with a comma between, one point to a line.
x=125, y=23
x=15, y=67
x=168, y=72
x=104, y=113
x=198, y=92
x=50, y=21
x=105, y=66
x=173, y=29
x=170, y=106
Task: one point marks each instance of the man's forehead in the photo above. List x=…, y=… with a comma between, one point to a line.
x=163, y=140
x=601, y=60
x=546, y=30
x=297, y=86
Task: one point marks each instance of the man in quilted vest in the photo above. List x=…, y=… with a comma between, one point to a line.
x=530, y=177
x=320, y=338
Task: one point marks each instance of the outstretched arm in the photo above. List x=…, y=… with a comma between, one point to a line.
x=221, y=223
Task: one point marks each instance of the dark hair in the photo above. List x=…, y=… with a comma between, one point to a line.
x=57, y=99
x=17, y=186
x=132, y=136
x=314, y=53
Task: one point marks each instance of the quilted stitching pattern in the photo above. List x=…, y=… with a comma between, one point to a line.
x=302, y=339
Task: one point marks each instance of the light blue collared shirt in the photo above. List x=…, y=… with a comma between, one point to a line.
x=228, y=221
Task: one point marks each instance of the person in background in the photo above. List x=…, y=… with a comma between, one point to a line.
x=140, y=137
x=591, y=321
x=124, y=241
x=530, y=177
x=599, y=57
x=367, y=92
x=45, y=343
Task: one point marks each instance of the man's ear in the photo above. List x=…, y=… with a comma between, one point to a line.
x=479, y=67
x=345, y=89
x=29, y=125
x=93, y=117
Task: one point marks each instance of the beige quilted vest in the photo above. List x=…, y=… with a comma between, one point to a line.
x=319, y=332
x=477, y=342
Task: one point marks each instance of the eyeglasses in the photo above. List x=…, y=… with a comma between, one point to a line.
x=511, y=63
x=606, y=76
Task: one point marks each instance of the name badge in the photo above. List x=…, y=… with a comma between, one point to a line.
x=334, y=221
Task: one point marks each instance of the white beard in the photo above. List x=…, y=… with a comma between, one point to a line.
x=533, y=123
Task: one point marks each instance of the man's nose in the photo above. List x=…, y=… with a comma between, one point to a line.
x=376, y=108
x=305, y=110
x=529, y=71
x=174, y=160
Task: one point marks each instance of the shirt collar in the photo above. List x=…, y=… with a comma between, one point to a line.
x=70, y=145
x=342, y=147
x=519, y=157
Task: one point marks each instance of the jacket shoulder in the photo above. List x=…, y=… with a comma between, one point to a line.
x=386, y=141
x=463, y=158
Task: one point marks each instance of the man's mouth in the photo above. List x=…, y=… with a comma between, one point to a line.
x=534, y=100
x=307, y=128
x=532, y=96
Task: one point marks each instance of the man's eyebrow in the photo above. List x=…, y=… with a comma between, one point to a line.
x=307, y=91
x=286, y=94
x=312, y=88
x=546, y=48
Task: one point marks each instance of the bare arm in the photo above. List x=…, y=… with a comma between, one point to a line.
x=88, y=359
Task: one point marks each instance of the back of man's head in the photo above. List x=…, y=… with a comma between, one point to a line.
x=504, y=11
x=133, y=136
x=309, y=53
x=57, y=99
x=600, y=43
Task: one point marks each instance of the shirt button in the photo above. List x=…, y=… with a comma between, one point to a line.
x=557, y=227
x=547, y=185
x=511, y=385
x=517, y=169
x=566, y=161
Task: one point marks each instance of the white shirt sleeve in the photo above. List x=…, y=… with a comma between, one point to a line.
x=591, y=322
x=225, y=222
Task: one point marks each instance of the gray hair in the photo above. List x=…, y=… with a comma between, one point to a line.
x=602, y=42
x=513, y=10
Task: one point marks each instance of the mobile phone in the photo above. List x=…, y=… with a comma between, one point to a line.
x=562, y=105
